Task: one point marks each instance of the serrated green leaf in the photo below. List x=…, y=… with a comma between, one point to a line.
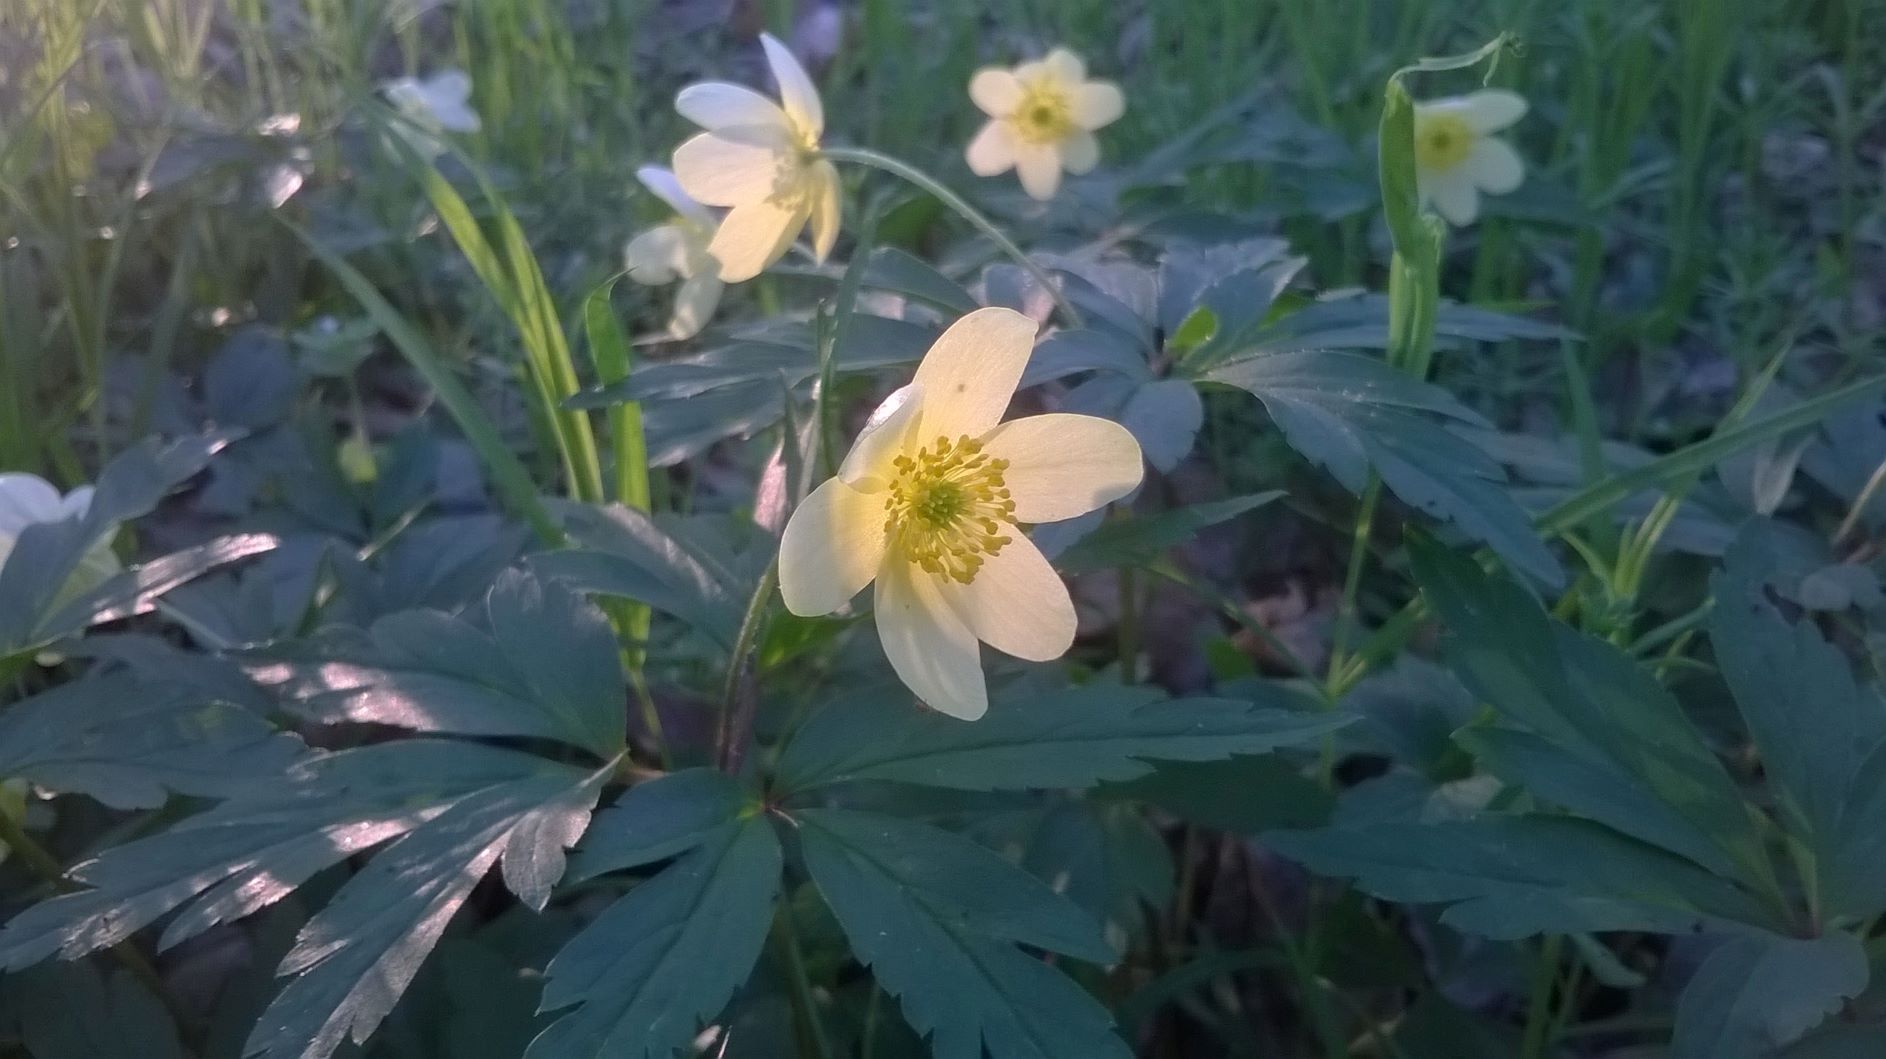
x=246, y=854
x=1759, y=992
x=920, y=934
x=1106, y=858
x=1513, y=876
x=648, y=971
x=354, y=959
x=661, y=818
x=1239, y=794
x=1141, y=539
x=1074, y=738
x=547, y=666
x=75, y=1011
x=1821, y=734
x=1638, y=764
x=128, y=742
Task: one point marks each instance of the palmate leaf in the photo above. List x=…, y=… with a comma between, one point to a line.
x=357, y=956
x=1757, y=992
x=1074, y=738
x=935, y=917
x=644, y=974
x=545, y=665
x=1601, y=737
x=1513, y=876
x=129, y=741
x=1821, y=734
x=661, y=818
x=1349, y=413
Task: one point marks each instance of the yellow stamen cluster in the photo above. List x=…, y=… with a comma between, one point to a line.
x=1046, y=114
x=947, y=506
x=1442, y=141
x=792, y=179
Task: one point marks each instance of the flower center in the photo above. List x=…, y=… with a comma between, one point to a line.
x=947, y=506
x=1046, y=115
x=1442, y=141
x=792, y=178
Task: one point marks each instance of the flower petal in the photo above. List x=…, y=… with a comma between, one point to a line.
x=1098, y=103
x=1490, y=109
x=718, y=105
x=695, y=302
x=752, y=237
x=1452, y=194
x=26, y=499
x=1495, y=166
x=827, y=210
x=1064, y=66
x=996, y=91
x=1080, y=152
x=661, y=181
x=832, y=548
x=884, y=437
x=933, y=652
x=796, y=90
x=1017, y=604
x=726, y=172
x=968, y=377
x=1039, y=166
x=1063, y=465
x=992, y=151
x=656, y=256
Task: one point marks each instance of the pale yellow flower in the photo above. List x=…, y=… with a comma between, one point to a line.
x=27, y=499
x=678, y=251
x=1042, y=117
x=432, y=107
x=1457, y=156
x=760, y=159
x=928, y=502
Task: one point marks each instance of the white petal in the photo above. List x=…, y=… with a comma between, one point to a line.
x=1080, y=152
x=662, y=182
x=1452, y=194
x=1098, y=103
x=77, y=502
x=832, y=548
x=717, y=105
x=725, y=172
x=1017, y=603
x=26, y=499
x=657, y=256
x=1490, y=109
x=933, y=652
x=796, y=91
x=827, y=210
x=968, y=377
x=1495, y=166
x=753, y=237
x=1062, y=465
x=695, y=302
x=996, y=91
x=1040, y=168
x=883, y=439
x=1064, y=66
x=992, y=151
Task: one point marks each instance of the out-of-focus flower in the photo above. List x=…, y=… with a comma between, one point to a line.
x=927, y=505
x=1042, y=117
x=761, y=160
x=26, y=500
x=433, y=106
x=677, y=250
x=1457, y=156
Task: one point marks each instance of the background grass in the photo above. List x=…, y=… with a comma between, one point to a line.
x=1706, y=177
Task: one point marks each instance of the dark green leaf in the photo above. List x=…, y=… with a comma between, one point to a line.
x=918, y=921
x=891, y=269
x=1074, y=738
x=1107, y=859
x=73, y=1011
x=1510, y=877
x=1143, y=538
x=623, y=552
x=1758, y=992
x=1239, y=794
x=135, y=591
x=661, y=818
x=660, y=961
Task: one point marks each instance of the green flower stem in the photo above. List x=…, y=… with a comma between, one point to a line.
x=737, y=697
x=1539, y=1011
x=867, y=157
